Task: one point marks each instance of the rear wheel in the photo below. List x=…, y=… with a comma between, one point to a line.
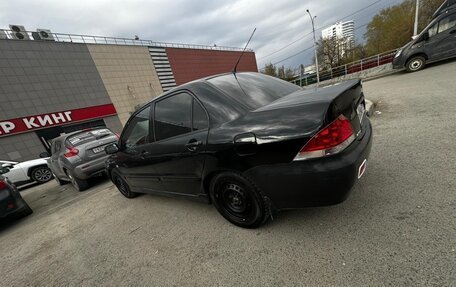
x=123, y=186
x=239, y=200
x=25, y=211
x=415, y=64
x=77, y=183
x=41, y=174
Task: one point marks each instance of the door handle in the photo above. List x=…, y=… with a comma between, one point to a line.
x=144, y=154
x=193, y=144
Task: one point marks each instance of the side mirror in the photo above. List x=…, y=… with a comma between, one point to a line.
x=44, y=154
x=426, y=36
x=112, y=148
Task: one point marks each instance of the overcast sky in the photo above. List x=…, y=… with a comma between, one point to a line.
x=208, y=22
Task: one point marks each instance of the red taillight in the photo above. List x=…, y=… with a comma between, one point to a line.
x=72, y=151
x=2, y=184
x=330, y=140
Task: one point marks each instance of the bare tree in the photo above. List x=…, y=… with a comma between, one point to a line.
x=270, y=69
x=333, y=51
x=286, y=74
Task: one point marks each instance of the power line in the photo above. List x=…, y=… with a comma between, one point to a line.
x=320, y=28
x=308, y=48
x=294, y=55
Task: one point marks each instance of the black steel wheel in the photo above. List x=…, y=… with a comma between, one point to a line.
x=238, y=200
x=41, y=174
x=415, y=64
x=123, y=187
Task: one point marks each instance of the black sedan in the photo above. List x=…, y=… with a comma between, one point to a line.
x=246, y=142
x=12, y=205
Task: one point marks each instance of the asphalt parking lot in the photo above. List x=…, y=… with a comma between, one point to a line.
x=398, y=227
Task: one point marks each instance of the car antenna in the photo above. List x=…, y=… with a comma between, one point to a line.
x=237, y=63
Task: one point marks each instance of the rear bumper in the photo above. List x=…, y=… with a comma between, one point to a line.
x=19, y=205
x=90, y=168
x=317, y=182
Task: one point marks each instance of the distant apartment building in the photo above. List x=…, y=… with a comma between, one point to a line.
x=344, y=31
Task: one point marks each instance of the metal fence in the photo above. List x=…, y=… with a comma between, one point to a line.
x=350, y=68
x=74, y=38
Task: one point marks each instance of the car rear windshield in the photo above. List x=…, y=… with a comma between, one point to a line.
x=88, y=136
x=253, y=90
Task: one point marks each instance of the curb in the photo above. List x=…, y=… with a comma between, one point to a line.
x=382, y=75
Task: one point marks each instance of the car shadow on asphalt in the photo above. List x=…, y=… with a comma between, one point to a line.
x=9, y=223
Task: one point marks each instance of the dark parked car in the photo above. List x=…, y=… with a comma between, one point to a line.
x=11, y=203
x=80, y=155
x=246, y=142
x=435, y=43
x=446, y=5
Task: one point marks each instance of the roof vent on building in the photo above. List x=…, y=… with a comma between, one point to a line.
x=19, y=33
x=43, y=34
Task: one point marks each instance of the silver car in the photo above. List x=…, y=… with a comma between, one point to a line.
x=78, y=156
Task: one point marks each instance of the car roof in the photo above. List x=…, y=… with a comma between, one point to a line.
x=65, y=135
x=194, y=82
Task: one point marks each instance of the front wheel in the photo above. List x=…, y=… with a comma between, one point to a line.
x=41, y=174
x=123, y=187
x=238, y=200
x=415, y=64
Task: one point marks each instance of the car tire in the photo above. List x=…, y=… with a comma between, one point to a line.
x=415, y=64
x=41, y=174
x=123, y=186
x=77, y=183
x=25, y=211
x=239, y=200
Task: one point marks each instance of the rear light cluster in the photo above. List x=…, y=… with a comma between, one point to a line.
x=333, y=139
x=72, y=151
x=2, y=184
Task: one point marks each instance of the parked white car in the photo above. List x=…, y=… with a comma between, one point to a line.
x=27, y=171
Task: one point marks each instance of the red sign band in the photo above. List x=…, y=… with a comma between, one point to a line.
x=30, y=123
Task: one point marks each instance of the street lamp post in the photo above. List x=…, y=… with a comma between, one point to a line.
x=315, y=43
x=417, y=9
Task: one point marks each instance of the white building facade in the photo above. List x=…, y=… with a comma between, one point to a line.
x=341, y=30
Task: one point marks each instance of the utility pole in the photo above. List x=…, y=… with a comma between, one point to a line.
x=415, y=27
x=315, y=43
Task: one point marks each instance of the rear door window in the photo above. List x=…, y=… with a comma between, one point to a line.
x=173, y=116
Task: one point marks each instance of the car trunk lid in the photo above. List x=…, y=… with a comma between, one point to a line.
x=307, y=111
